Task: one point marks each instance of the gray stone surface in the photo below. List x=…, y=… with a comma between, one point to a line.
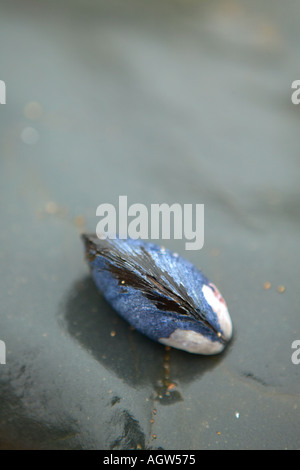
x=162, y=101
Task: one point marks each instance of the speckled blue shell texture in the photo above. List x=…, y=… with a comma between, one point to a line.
x=161, y=294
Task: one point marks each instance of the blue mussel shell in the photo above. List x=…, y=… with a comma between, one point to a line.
x=161, y=294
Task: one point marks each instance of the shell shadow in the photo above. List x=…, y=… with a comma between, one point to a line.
x=134, y=358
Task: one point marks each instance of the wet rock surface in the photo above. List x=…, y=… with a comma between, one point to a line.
x=170, y=102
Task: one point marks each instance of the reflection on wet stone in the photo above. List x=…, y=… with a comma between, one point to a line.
x=128, y=431
x=59, y=434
